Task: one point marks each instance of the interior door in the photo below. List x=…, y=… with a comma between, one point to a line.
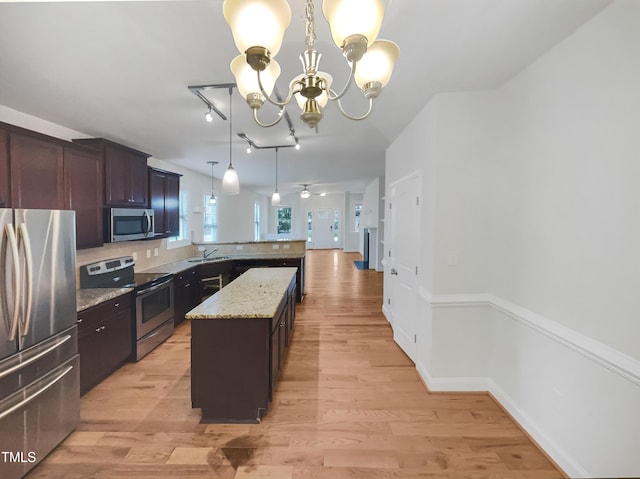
x=322, y=230
x=404, y=216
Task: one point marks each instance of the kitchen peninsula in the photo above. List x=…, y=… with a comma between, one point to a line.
x=238, y=342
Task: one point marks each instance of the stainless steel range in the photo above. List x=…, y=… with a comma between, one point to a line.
x=154, y=298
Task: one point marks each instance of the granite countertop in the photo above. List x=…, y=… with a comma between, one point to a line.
x=178, y=266
x=255, y=294
x=87, y=298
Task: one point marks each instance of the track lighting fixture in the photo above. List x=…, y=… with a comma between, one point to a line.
x=208, y=116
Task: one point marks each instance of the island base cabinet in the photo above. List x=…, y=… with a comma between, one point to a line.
x=230, y=366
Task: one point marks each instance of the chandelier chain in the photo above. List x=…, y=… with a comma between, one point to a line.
x=311, y=30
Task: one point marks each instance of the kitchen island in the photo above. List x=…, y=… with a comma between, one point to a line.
x=238, y=342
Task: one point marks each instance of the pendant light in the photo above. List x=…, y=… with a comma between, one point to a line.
x=230, y=182
x=212, y=198
x=275, y=198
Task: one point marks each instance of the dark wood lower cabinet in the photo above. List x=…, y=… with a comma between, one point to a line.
x=235, y=363
x=105, y=339
x=186, y=293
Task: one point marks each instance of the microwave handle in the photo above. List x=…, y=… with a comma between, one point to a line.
x=149, y=223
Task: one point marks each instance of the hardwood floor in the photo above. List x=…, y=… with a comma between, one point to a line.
x=349, y=404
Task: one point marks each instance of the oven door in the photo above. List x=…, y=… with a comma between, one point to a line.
x=154, y=306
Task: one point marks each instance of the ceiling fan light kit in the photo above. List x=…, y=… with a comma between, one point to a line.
x=258, y=28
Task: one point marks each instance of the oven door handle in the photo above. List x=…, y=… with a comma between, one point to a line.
x=154, y=288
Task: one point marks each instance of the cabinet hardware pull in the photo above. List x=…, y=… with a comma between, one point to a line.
x=117, y=304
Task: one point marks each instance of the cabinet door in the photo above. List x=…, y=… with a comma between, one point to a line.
x=138, y=181
x=116, y=179
x=157, y=203
x=83, y=194
x=36, y=167
x=172, y=205
x=4, y=170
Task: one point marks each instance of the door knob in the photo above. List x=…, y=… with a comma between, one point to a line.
x=394, y=271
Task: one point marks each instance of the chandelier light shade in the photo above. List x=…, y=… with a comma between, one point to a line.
x=247, y=80
x=230, y=181
x=257, y=23
x=353, y=17
x=377, y=64
x=258, y=28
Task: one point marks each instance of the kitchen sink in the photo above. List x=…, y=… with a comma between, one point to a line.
x=208, y=260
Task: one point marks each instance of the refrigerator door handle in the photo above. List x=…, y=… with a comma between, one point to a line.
x=34, y=358
x=17, y=282
x=24, y=238
x=39, y=392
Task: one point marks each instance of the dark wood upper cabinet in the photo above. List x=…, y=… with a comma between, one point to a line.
x=36, y=171
x=164, y=193
x=83, y=193
x=5, y=200
x=125, y=173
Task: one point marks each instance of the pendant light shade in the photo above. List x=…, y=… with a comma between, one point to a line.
x=230, y=182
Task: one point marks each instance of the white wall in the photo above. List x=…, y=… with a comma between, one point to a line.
x=533, y=187
x=352, y=238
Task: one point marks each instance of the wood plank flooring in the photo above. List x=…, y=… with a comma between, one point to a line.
x=349, y=404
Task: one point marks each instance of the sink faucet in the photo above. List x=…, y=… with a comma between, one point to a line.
x=206, y=254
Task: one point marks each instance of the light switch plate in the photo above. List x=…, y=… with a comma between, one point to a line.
x=286, y=246
x=239, y=247
x=275, y=246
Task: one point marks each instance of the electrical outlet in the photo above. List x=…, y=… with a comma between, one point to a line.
x=239, y=247
x=286, y=246
x=148, y=253
x=134, y=255
x=275, y=246
x=155, y=251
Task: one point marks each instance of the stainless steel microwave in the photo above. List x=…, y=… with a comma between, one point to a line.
x=126, y=224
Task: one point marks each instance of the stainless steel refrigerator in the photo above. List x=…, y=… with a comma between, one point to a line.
x=39, y=367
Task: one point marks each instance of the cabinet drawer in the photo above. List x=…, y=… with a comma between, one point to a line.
x=91, y=316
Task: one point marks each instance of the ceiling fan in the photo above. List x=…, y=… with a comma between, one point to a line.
x=305, y=193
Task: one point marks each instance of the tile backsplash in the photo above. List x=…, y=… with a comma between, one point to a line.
x=139, y=249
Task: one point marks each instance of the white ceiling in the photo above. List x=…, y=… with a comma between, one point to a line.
x=120, y=70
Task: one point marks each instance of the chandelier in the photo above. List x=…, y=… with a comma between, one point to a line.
x=258, y=27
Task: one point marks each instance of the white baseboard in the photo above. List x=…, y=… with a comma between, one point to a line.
x=617, y=372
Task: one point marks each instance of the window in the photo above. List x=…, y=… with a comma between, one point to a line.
x=210, y=226
x=309, y=225
x=183, y=220
x=357, y=211
x=284, y=220
x=256, y=221
x=336, y=226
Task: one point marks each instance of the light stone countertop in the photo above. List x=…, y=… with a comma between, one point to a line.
x=255, y=294
x=87, y=298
